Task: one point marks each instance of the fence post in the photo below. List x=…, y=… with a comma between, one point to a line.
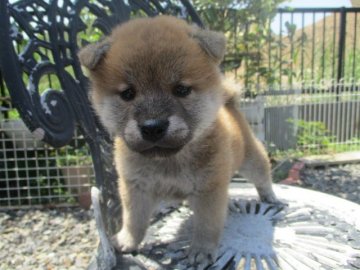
x=341, y=59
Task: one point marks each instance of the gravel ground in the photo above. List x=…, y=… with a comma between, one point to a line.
x=47, y=239
x=341, y=181
x=67, y=238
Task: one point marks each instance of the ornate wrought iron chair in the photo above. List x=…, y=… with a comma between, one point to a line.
x=41, y=38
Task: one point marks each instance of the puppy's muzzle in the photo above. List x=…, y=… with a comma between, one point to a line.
x=154, y=129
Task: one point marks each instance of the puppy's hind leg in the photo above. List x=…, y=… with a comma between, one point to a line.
x=256, y=168
x=137, y=207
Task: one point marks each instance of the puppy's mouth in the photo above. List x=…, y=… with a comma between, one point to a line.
x=159, y=151
x=167, y=145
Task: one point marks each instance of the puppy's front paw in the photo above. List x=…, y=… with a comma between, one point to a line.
x=124, y=242
x=201, y=256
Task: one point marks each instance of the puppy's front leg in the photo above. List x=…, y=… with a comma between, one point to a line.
x=210, y=209
x=137, y=206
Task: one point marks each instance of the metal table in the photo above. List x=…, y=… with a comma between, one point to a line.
x=315, y=231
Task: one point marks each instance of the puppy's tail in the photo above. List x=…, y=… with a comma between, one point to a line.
x=232, y=93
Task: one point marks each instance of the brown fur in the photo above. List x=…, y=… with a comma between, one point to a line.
x=207, y=139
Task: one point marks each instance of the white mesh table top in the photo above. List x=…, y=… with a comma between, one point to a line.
x=316, y=231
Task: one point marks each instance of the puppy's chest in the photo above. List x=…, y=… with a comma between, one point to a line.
x=167, y=179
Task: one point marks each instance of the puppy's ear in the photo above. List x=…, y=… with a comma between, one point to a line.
x=91, y=54
x=213, y=43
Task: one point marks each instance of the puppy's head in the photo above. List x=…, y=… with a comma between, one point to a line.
x=156, y=82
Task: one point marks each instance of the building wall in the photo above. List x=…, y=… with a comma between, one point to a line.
x=355, y=3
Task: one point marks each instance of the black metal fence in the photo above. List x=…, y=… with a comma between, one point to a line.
x=302, y=47
x=305, y=71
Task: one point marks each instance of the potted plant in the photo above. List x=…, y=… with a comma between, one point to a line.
x=76, y=168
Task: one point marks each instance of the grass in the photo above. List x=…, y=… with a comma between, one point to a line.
x=309, y=150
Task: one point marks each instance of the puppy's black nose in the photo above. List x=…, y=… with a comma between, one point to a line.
x=154, y=129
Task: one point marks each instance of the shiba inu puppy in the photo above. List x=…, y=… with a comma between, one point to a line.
x=157, y=88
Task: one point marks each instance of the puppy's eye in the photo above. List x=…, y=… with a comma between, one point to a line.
x=128, y=94
x=182, y=90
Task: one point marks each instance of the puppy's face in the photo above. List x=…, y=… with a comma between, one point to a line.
x=156, y=83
